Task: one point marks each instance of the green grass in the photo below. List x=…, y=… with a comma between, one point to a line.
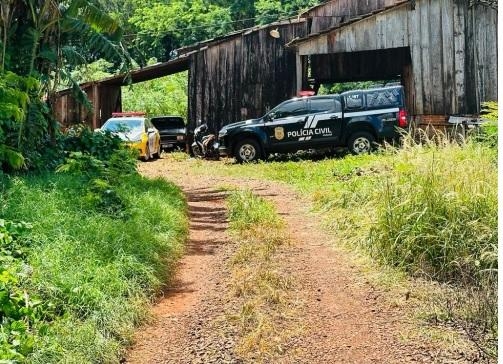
x=428, y=210
x=96, y=273
x=265, y=311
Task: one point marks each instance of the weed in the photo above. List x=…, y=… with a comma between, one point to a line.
x=263, y=289
x=95, y=273
x=428, y=209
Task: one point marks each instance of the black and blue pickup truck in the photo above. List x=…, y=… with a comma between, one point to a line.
x=354, y=119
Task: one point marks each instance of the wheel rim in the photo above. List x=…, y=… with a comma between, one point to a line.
x=247, y=152
x=361, y=145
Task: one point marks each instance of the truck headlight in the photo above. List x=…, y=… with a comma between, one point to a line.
x=180, y=138
x=222, y=133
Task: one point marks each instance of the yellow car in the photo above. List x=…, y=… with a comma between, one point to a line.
x=137, y=131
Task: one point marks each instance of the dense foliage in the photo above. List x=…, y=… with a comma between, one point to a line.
x=41, y=42
x=162, y=96
x=77, y=279
x=155, y=28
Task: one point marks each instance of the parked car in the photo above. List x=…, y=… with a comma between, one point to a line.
x=172, y=130
x=137, y=131
x=355, y=119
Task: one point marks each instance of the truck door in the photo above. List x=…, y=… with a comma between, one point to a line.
x=324, y=123
x=284, y=125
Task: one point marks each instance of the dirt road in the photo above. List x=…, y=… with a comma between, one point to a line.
x=344, y=318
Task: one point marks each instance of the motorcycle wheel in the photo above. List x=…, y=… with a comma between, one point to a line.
x=196, y=151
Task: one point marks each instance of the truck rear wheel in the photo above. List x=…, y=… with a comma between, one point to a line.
x=361, y=142
x=247, y=150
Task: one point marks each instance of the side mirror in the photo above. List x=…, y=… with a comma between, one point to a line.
x=269, y=117
x=151, y=130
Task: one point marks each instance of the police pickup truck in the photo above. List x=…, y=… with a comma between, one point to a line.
x=355, y=119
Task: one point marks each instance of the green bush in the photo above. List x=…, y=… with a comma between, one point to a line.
x=437, y=214
x=94, y=272
x=488, y=133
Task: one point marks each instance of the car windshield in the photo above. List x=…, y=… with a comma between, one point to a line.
x=123, y=125
x=168, y=122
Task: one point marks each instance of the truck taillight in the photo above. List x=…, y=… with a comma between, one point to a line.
x=402, y=118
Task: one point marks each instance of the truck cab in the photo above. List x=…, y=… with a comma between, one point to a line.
x=355, y=119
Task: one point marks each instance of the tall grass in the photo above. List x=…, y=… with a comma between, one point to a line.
x=437, y=214
x=437, y=217
x=95, y=272
x=428, y=209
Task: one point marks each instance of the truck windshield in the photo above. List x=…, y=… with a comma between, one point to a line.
x=168, y=122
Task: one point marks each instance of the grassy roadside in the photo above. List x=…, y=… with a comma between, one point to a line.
x=428, y=211
x=265, y=314
x=88, y=270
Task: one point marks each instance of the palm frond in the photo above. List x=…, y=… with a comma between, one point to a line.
x=95, y=17
x=13, y=158
x=72, y=56
x=79, y=95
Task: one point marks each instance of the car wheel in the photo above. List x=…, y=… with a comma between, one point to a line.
x=147, y=154
x=157, y=154
x=247, y=150
x=361, y=143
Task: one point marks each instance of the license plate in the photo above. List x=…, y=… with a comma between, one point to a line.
x=169, y=145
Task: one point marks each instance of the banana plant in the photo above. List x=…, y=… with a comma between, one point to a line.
x=45, y=40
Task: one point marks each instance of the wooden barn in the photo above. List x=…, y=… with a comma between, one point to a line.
x=443, y=51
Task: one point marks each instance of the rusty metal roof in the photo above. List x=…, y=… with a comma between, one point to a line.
x=143, y=74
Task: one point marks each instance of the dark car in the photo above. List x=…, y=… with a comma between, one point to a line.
x=355, y=119
x=172, y=130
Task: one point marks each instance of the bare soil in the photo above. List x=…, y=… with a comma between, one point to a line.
x=344, y=318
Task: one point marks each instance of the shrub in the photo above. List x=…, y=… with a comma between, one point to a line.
x=94, y=273
x=489, y=130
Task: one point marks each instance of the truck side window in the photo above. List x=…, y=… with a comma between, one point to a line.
x=383, y=98
x=320, y=105
x=293, y=108
x=354, y=101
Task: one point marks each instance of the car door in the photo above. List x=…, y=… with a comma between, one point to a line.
x=285, y=123
x=324, y=121
x=153, y=136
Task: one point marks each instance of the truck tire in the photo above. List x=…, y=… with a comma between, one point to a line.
x=361, y=142
x=247, y=150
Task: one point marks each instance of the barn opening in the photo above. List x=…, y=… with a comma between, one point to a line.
x=338, y=72
x=107, y=95
x=163, y=96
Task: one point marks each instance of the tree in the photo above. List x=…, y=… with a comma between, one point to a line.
x=44, y=40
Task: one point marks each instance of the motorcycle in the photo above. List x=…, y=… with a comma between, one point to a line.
x=205, y=144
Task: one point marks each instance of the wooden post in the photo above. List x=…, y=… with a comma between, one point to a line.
x=96, y=106
x=299, y=66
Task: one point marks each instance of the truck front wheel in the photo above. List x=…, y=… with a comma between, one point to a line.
x=247, y=150
x=361, y=142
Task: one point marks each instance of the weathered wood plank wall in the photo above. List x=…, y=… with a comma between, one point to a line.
x=70, y=112
x=243, y=76
x=453, y=49
x=334, y=12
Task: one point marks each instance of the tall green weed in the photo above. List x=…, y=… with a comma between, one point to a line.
x=94, y=272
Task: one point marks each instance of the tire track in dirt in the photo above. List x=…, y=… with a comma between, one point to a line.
x=345, y=319
x=169, y=337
